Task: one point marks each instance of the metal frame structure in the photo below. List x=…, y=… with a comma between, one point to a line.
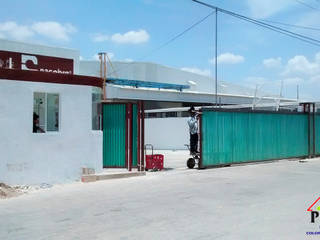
x=146, y=84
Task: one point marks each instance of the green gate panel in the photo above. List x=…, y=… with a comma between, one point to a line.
x=235, y=137
x=134, y=134
x=114, y=135
x=317, y=133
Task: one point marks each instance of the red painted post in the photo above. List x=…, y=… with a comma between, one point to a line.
x=142, y=136
x=139, y=133
x=130, y=136
x=126, y=134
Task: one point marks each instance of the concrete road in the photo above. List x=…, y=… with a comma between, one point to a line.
x=263, y=201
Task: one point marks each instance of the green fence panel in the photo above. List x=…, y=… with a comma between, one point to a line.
x=317, y=133
x=134, y=134
x=235, y=137
x=114, y=135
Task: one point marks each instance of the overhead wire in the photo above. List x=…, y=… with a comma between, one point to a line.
x=168, y=41
x=265, y=25
x=280, y=30
x=242, y=17
x=307, y=5
x=292, y=25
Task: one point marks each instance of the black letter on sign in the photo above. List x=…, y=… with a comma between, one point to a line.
x=314, y=215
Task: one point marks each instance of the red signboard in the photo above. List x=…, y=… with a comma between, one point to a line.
x=33, y=62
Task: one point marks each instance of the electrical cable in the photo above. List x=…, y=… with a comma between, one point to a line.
x=282, y=31
x=307, y=5
x=265, y=25
x=293, y=25
x=169, y=41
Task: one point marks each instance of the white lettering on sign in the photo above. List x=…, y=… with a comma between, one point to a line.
x=7, y=63
x=33, y=62
x=25, y=59
x=55, y=71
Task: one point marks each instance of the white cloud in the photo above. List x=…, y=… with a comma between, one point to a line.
x=272, y=62
x=300, y=65
x=263, y=9
x=128, y=60
x=131, y=37
x=100, y=37
x=205, y=72
x=14, y=31
x=299, y=70
x=52, y=30
x=228, y=58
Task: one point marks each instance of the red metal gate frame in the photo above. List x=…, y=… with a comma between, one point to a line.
x=140, y=152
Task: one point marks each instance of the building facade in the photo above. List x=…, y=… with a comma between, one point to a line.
x=50, y=113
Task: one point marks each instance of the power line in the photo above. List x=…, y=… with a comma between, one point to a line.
x=280, y=30
x=169, y=41
x=293, y=25
x=178, y=35
x=307, y=5
x=265, y=25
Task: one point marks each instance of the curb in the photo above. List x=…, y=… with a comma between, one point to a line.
x=94, y=178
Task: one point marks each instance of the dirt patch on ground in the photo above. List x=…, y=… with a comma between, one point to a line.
x=7, y=192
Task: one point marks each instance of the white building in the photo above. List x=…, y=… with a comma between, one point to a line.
x=53, y=84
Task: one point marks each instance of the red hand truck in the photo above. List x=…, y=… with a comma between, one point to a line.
x=154, y=162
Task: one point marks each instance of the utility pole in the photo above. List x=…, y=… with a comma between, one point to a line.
x=103, y=72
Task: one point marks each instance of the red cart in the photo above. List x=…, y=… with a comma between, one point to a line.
x=154, y=161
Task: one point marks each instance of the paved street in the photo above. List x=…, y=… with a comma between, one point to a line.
x=261, y=201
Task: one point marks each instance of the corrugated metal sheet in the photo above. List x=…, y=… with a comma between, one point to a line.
x=134, y=134
x=317, y=133
x=114, y=130
x=232, y=137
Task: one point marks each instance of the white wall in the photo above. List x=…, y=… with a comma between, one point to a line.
x=33, y=158
x=167, y=133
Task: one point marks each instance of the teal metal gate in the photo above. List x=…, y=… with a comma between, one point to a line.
x=317, y=134
x=114, y=135
x=234, y=137
x=123, y=135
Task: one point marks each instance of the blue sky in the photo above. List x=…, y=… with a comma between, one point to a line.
x=131, y=29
